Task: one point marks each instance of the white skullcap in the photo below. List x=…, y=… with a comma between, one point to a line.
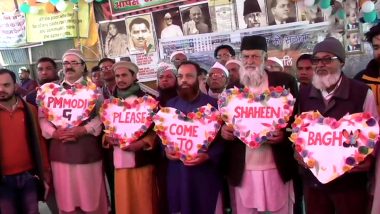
x=176, y=53
x=75, y=52
x=217, y=65
x=234, y=61
x=277, y=60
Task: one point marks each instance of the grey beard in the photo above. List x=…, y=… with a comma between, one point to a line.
x=326, y=81
x=253, y=76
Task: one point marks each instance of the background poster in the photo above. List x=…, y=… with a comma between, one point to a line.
x=140, y=34
x=147, y=64
x=251, y=8
x=54, y=26
x=114, y=38
x=222, y=18
x=284, y=9
x=196, y=19
x=119, y=7
x=168, y=27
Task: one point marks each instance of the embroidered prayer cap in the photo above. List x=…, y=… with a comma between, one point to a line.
x=331, y=45
x=125, y=64
x=176, y=53
x=163, y=66
x=251, y=6
x=254, y=42
x=277, y=60
x=217, y=65
x=75, y=52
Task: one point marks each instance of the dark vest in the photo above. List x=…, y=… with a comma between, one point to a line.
x=348, y=98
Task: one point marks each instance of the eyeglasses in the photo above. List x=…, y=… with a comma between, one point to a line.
x=106, y=68
x=223, y=55
x=72, y=64
x=325, y=60
x=216, y=75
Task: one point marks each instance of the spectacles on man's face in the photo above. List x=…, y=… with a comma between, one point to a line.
x=72, y=64
x=106, y=68
x=324, y=60
x=216, y=75
x=219, y=56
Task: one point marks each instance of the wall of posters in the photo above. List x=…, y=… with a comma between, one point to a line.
x=119, y=7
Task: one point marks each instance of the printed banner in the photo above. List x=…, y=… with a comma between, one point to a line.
x=255, y=116
x=187, y=134
x=333, y=147
x=67, y=108
x=127, y=120
x=119, y=7
x=53, y=26
x=147, y=64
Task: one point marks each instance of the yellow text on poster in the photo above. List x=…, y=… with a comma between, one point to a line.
x=45, y=26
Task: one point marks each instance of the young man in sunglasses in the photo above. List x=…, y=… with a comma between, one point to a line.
x=334, y=95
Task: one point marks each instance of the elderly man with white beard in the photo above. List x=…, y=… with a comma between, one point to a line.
x=261, y=178
x=334, y=95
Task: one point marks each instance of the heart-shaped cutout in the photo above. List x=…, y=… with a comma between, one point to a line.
x=332, y=147
x=127, y=119
x=255, y=116
x=67, y=108
x=187, y=134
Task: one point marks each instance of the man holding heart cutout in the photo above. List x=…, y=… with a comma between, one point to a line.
x=260, y=178
x=135, y=176
x=194, y=186
x=334, y=95
x=75, y=152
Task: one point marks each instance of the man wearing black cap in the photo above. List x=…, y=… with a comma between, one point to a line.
x=334, y=95
x=252, y=13
x=261, y=177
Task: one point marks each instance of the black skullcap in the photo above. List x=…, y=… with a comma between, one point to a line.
x=251, y=6
x=254, y=42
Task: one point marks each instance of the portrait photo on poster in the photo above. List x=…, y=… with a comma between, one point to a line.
x=251, y=13
x=114, y=38
x=352, y=19
x=140, y=34
x=196, y=19
x=222, y=17
x=311, y=14
x=353, y=42
x=281, y=12
x=168, y=23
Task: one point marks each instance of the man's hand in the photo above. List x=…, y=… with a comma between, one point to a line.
x=63, y=135
x=227, y=132
x=193, y=27
x=171, y=155
x=135, y=146
x=276, y=137
x=78, y=131
x=199, y=159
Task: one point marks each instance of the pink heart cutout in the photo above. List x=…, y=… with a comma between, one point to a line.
x=187, y=134
x=255, y=116
x=333, y=147
x=67, y=108
x=127, y=120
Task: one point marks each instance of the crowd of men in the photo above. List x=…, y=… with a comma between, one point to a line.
x=70, y=168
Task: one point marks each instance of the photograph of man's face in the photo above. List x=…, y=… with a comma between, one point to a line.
x=353, y=41
x=168, y=23
x=140, y=34
x=196, y=19
x=282, y=12
x=254, y=13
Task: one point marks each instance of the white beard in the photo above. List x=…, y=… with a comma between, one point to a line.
x=252, y=76
x=326, y=81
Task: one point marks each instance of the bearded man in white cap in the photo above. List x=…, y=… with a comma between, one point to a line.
x=177, y=57
x=166, y=82
x=75, y=153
